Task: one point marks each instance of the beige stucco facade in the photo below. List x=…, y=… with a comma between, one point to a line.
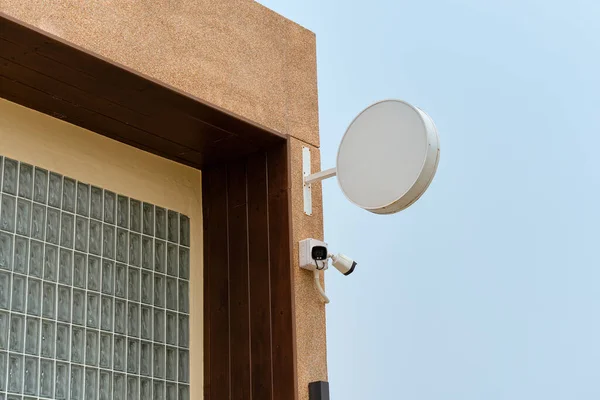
x=236, y=55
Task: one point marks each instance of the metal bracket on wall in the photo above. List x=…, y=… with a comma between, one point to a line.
x=309, y=179
x=318, y=390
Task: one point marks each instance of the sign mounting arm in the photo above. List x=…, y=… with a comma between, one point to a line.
x=320, y=176
x=309, y=179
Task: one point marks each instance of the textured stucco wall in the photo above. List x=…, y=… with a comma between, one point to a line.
x=236, y=55
x=310, y=310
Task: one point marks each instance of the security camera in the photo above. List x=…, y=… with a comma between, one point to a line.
x=343, y=263
x=314, y=256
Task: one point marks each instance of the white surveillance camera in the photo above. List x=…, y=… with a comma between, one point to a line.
x=343, y=263
x=314, y=256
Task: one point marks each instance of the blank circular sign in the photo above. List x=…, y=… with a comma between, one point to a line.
x=388, y=157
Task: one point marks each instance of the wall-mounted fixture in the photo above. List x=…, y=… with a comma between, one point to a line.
x=314, y=256
x=386, y=161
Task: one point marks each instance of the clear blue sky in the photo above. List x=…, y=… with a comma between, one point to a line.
x=489, y=287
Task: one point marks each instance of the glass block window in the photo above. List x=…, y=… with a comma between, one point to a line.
x=94, y=292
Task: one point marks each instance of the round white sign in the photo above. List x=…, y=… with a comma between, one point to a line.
x=388, y=157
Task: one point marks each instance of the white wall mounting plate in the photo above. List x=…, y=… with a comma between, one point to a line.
x=388, y=157
x=305, y=254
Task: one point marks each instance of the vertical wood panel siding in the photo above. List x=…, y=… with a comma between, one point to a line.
x=249, y=331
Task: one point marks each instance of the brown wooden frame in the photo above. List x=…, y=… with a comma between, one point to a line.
x=248, y=290
x=248, y=306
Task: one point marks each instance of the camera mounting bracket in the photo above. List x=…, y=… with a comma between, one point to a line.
x=305, y=253
x=309, y=263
